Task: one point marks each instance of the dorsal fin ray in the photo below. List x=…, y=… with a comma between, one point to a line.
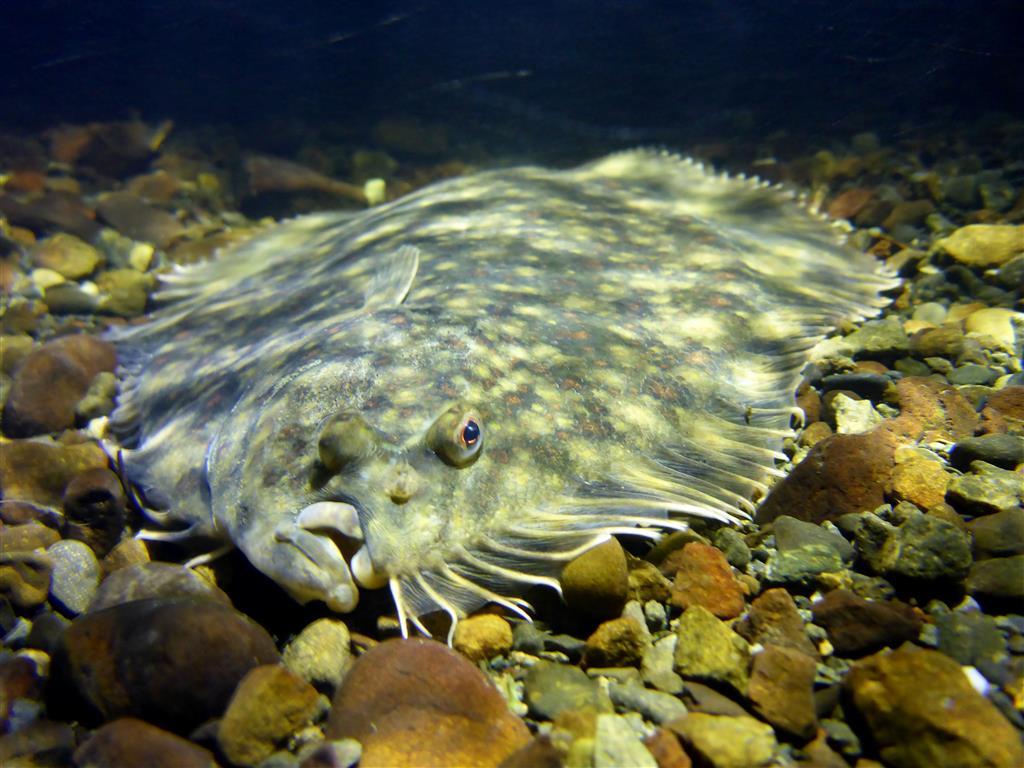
x=393, y=279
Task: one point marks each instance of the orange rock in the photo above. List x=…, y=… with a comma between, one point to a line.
x=704, y=577
x=849, y=203
x=921, y=482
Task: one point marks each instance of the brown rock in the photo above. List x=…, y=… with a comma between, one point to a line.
x=67, y=255
x=20, y=682
x=908, y=212
x=26, y=537
x=51, y=381
x=646, y=582
x=112, y=149
x=997, y=535
x=1009, y=401
x=704, y=577
x=25, y=578
x=417, y=702
x=94, y=507
x=539, y=753
x=667, y=750
x=483, y=637
x=773, y=619
x=138, y=219
x=984, y=245
x=132, y=742
x=39, y=743
x=723, y=741
x=52, y=211
x=38, y=471
x=849, y=203
x=269, y=705
x=146, y=581
x=273, y=174
x=781, y=689
x=130, y=551
x=857, y=626
x=596, y=584
x=930, y=410
x=174, y=663
x=922, y=482
x=944, y=341
x=616, y=643
x=922, y=712
x=840, y=474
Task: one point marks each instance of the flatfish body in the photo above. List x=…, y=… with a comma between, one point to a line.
x=456, y=393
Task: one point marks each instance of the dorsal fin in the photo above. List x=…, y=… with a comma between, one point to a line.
x=393, y=279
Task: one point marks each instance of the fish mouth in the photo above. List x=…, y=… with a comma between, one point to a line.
x=334, y=561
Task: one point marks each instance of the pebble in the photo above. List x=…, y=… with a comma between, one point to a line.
x=70, y=299
x=857, y=626
x=417, y=702
x=51, y=381
x=41, y=743
x=970, y=637
x=555, y=688
x=269, y=705
x=984, y=245
x=801, y=569
x=38, y=471
x=67, y=255
x=667, y=750
x=146, y=581
x=704, y=577
x=124, y=292
x=854, y=417
x=617, y=643
x=997, y=581
x=1009, y=401
x=733, y=546
x=840, y=474
x=995, y=324
x=920, y=710
x=657, y=667
x=792, y=534
x=321, y=654
x=656, y=706
x=773, y=619
x=483, y=637
x=343, y=753
x=26, y=537
x=616, y=744
x=75, y=576
x=1005, y=451
x=132, y=742
x=139, y=220
x=707, y=649
x=781, y=690
x=726, y=741
x=946, y=341
x=646, y=582
x=986, y=490
x=94, y=509
x=172, y=662
x=922, y=548
x=876, y=339
x=25, y=578
x=920, y=481
x=998, y=535
x=596, y=584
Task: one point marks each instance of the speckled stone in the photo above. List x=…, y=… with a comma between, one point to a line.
x=708, y=650
x=555, y=688
x=616, y=744
x=923, y=548
x=986, y=490
x=75, y=577
x=781, y=689
x=320, y=654
x=483, y=637
x=725, y=741
x=773, y=619
x=616, y=643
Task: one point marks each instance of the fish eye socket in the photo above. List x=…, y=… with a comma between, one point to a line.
x=456, y=437
x=345, y=438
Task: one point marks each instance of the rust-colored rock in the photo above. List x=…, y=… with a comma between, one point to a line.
x=483, y=637
x=616, y=643
x=840, y=474
x=930, y=410
x=704, y=577
x=849, y=203
x=417, y=702
x=781, y=688
x=922, y=482
x=857, y=626
x=773, y=619
x=50, y=382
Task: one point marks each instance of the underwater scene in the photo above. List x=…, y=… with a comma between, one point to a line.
x=442, y=383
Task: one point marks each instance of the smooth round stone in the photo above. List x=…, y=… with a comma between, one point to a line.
x=320, y=654
x=144, y=581
x=1006, y=451
x=75, y=577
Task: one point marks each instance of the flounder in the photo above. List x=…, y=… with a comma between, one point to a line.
x=458, y=392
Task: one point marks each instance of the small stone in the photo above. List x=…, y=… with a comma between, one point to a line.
x=665, y=747
x=483, y=637
x=781, y=689
x=596, y=584
x=321, y=654
x=40, y=743
x=854, y=417
x=922, y=482
x=840, y=474
x=616, y=643
x=704, y=577
x=646, y=582
x=877, y=339
x=139, y=220
x=773, y=619
x=1009, y=401
x=124, y=292
x=26, y=537
x=857, y=626
x=849, y=203
x=998, y=580
x=655, y=706
x=554, y=688
x=931, y=410
x=657, y=666
x=172, y=662
x=944, y=341
x=801, y=569
x=128, y=741
x=70, y=299
x=67, y=255
x=130, y=551
x=922, y=712
x=984, y=245
x=997, y=535
x=269, y=705
x=792, y=534
x=1005, y=451
x=25, y=578
x=972, y=638
x=45, y=279
x=51, y=381
x=417, y=702
x=94, y=509
x=987, y=490
x=75, y=576
x=973, y=375
x=343, y=753
x=723, y=741
x=923, y=548
x=616, y=744
x=38, y=471
x=146, y=581
x=708, y=650
x=908, y=212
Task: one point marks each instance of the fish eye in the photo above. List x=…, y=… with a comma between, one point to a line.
x=345, y=438
x=456, y=436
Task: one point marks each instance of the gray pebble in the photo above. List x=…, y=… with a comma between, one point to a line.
x=616, y=744
x=1005, y=451
x=655, y=706
x=75, y=577
x=657, y=665
x=986, y=490
x=791, y=534
x=553, y=688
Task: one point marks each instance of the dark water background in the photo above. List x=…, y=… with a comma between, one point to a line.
x=621, y=72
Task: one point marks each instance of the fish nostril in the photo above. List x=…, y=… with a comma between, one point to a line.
x=402, y=483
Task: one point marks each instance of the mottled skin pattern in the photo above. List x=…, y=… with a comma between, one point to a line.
x=627, y=334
